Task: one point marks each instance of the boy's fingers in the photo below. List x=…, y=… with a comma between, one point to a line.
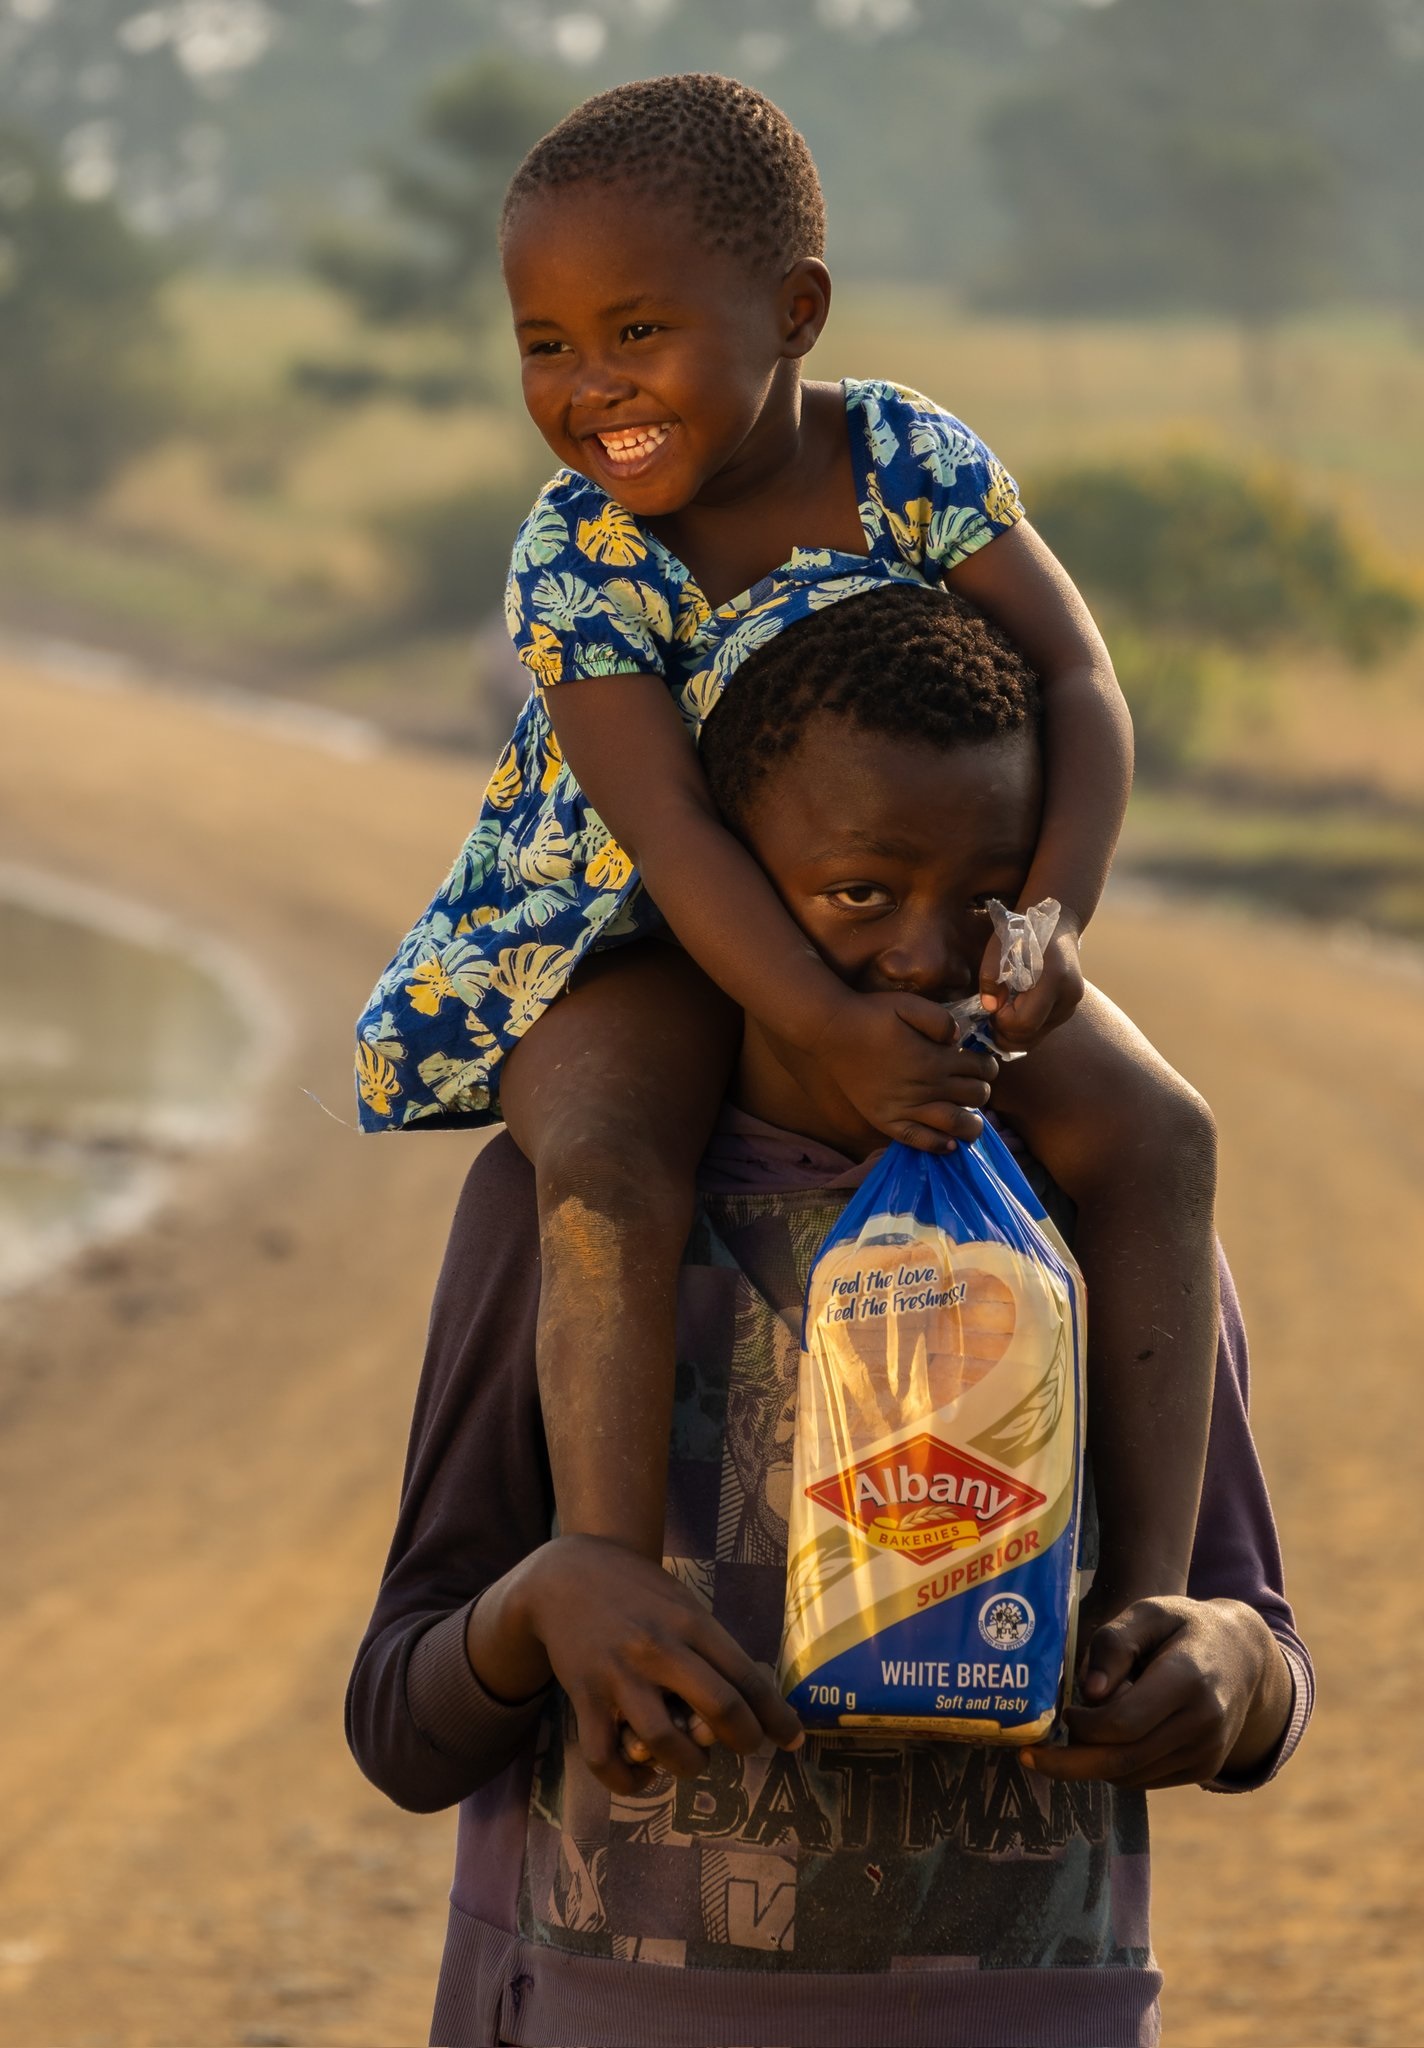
x=654, y=1730
x=776, y=1715
x=1118, y=1648
x=730, y=1675
x=1167, y=1748
x=1117, y=1763
x=724, y=1707
x=599, y=1741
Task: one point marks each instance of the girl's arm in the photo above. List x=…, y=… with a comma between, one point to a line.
x=1018, y=582
x=888, y=1055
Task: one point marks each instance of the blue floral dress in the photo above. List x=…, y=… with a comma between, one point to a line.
x=540, y=881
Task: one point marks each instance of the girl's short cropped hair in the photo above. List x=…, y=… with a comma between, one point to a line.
x=906, y=662
x=726, y=153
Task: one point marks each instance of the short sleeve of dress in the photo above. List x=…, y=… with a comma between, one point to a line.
x=942, y=494
x=586, y=595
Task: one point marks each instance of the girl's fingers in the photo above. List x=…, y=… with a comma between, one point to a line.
x=949, y=1123
x=932, y=1020
x=919, y=1137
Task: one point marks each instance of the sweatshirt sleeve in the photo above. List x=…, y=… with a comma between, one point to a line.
x=475, y=1499
x=1237, y=1553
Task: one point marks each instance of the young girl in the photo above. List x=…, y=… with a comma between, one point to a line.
x=662, y=253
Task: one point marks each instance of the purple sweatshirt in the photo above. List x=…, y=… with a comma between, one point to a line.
x=860, y=1891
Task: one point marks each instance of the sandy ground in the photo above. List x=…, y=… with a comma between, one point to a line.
x=203, y=1429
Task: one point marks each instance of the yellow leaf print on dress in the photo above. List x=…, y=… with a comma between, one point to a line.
x=548, y=857
x=640, y=601
x=460, y=1086
x=553, y=762
x=911, y=526
x=506, y=782
x=610, y=867
x=1001, y=500
x=376, y=1079
x=529, y=977
x=612, y=537
x=908, y=527
x=428, y=987
x=544, y=654
x=693, y=612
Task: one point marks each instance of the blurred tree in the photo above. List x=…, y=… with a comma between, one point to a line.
x=1190, y=545
x=435, y=255
x=431, y=258
x=1192, y=564
x=1183, y=159
x=80, y=337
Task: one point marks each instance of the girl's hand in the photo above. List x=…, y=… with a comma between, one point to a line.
x=890, y=1061
x=1021, y=1020
x=629, y=1645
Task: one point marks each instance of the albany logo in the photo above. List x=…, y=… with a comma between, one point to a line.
x=924, y=1498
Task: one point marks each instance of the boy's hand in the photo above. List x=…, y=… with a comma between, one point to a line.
x=1179, y=1691
x=1021, y=1019
x=627, y=1643
x=891, y=1060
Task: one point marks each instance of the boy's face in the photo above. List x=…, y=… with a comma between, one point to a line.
x=651, y=364
x=886, y=851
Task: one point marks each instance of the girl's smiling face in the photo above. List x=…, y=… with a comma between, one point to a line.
x=663, y=371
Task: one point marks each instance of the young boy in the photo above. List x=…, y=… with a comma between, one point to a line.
x=882, y=762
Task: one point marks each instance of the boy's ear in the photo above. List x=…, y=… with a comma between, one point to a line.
x=806, y=300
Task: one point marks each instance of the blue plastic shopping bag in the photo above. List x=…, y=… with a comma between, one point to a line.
x=931, y=1577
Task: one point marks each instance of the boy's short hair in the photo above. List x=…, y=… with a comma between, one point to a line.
x=724, y=151
x=908, y=662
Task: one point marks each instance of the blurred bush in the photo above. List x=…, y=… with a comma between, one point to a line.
x=454, y=552
x=355, y=382
x=81, y=344
x=1190, y=561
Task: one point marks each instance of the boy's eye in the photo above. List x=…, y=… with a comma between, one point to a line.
x=859, y=896
x=544, y=348
x=640, y=330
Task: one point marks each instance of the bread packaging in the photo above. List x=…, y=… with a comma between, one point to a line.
x=937, y=1488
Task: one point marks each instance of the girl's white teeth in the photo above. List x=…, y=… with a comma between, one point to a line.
x=634, y=444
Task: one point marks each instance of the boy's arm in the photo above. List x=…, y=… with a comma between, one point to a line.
x=478, y=1606
x=891, y=1056
x=1018, y=583
x=475, y=1499
x=1223, y=1685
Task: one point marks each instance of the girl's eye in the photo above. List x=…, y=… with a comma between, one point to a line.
x=544, y=348
x=640, y=330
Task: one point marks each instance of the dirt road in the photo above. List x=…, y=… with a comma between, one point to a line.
x=203, y=1429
